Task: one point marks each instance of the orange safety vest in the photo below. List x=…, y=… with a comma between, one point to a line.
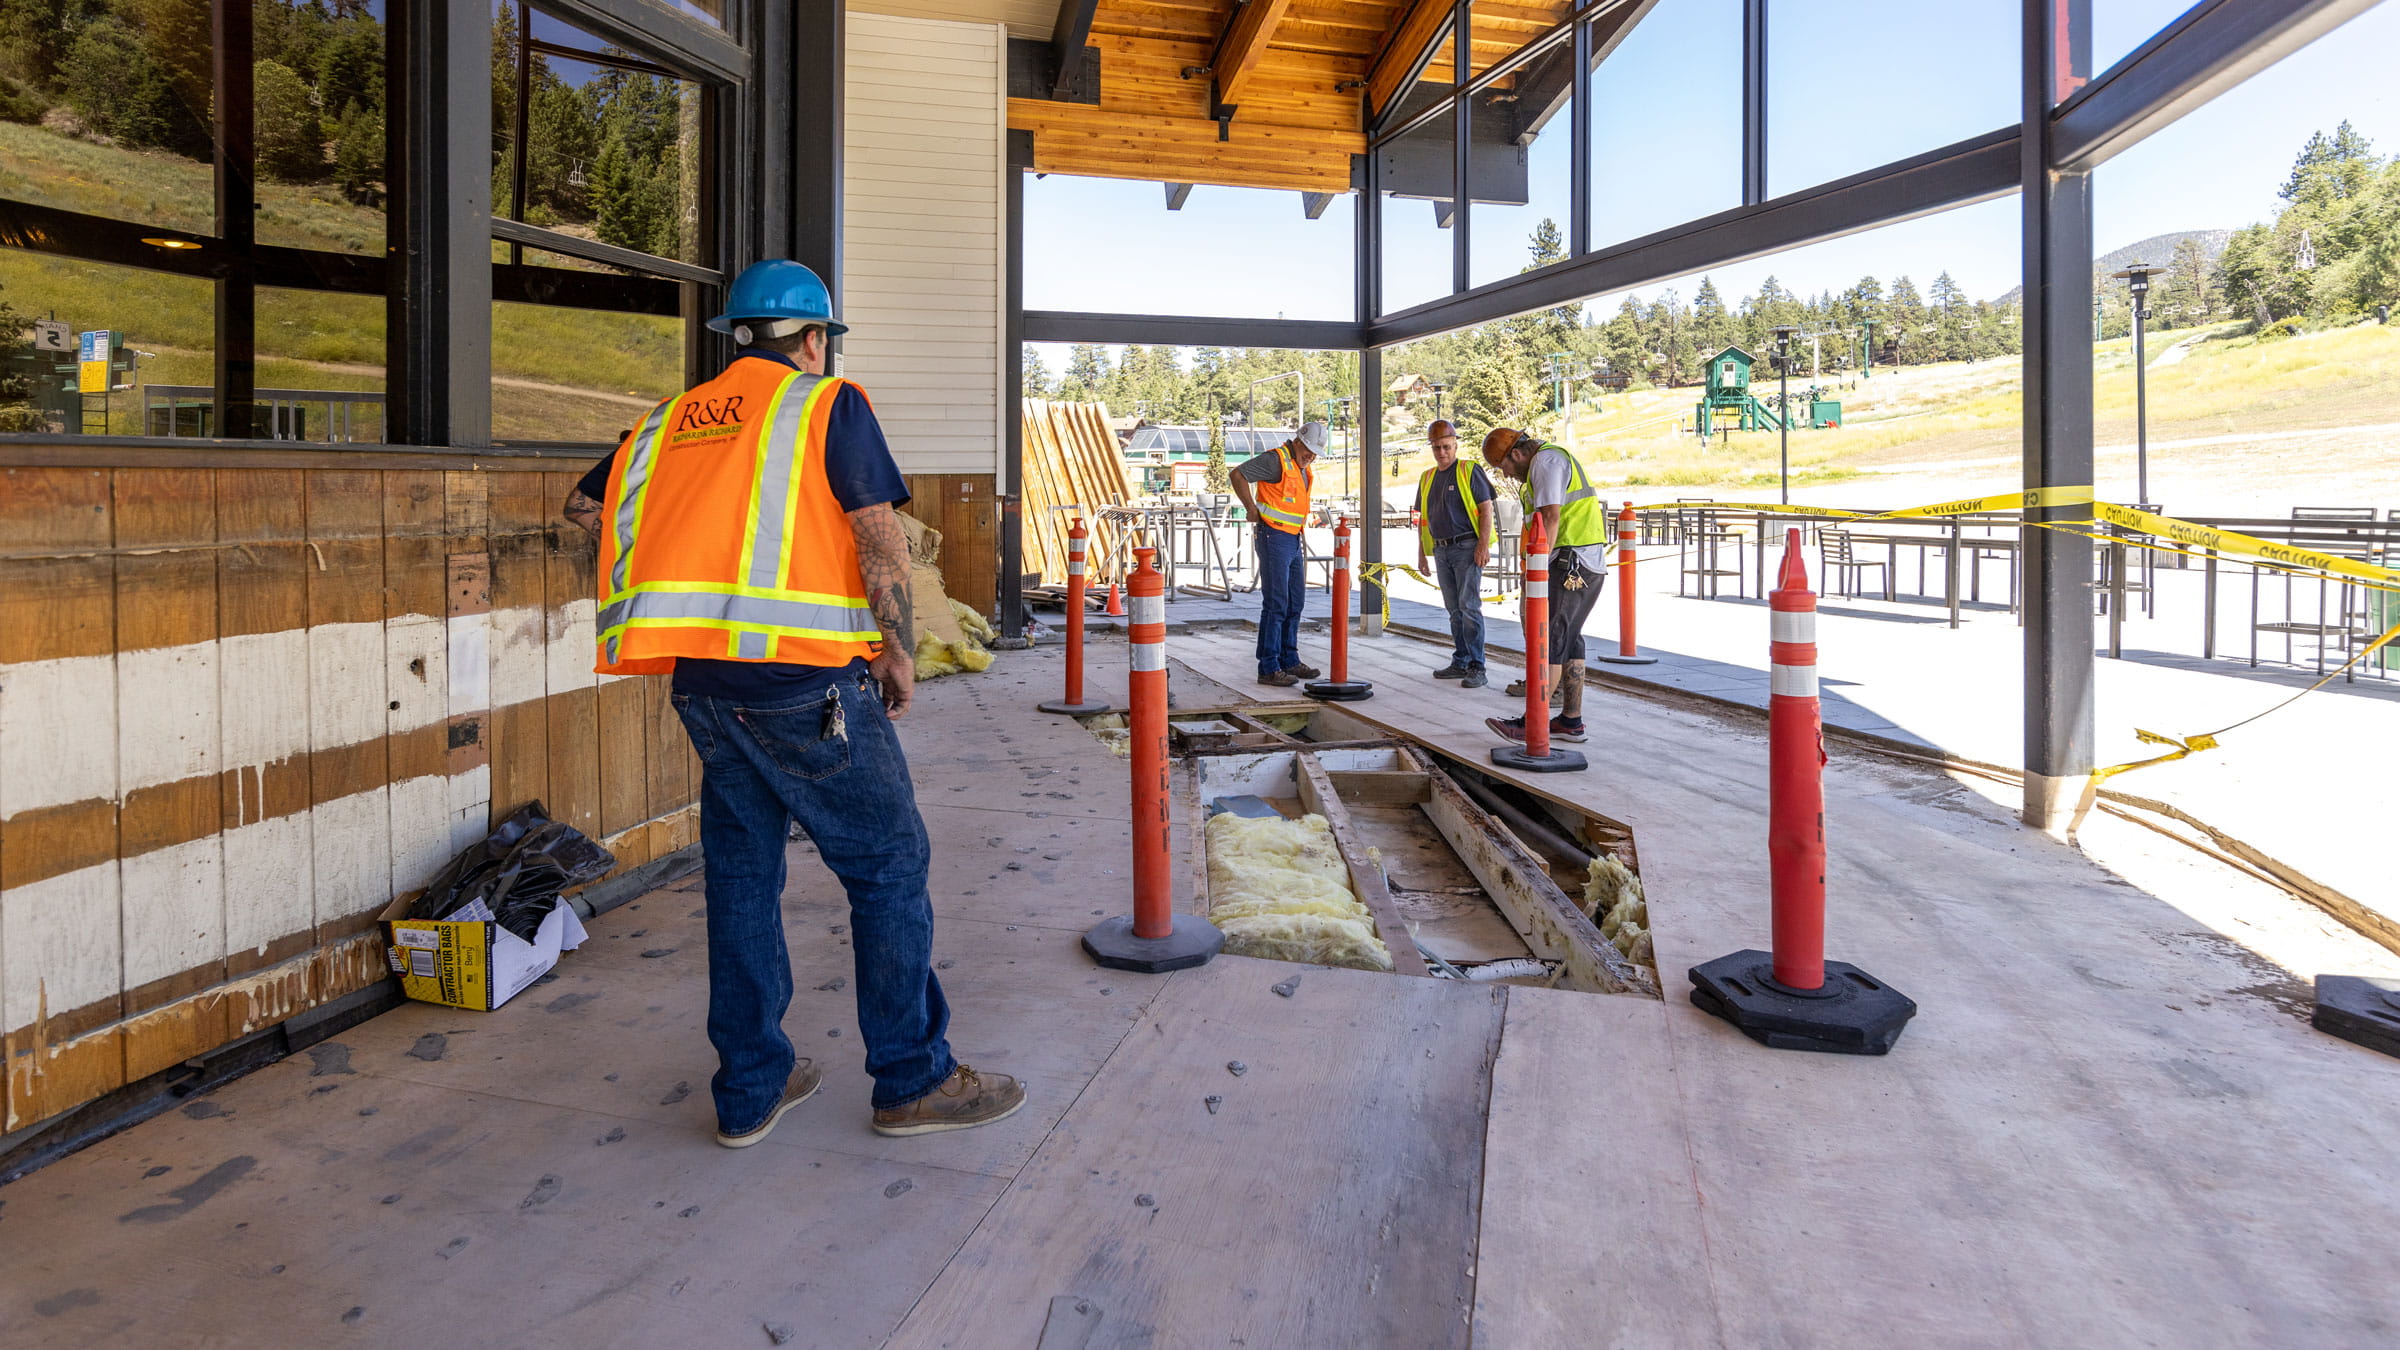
x=1283, y=504
x=721, y=537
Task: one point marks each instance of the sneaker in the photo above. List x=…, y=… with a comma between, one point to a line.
x=1564, y=729
x=1510, y=728
x=1304, y=672
x=1282, y=679
x=965, y=1100
x=1453, y=671
x=1474, y=680
x=801, y=1086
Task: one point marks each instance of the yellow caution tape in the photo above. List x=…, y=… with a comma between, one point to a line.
x=2228, y=541
x=1991, y=504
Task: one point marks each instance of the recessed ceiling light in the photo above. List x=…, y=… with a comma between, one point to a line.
x=161, y=241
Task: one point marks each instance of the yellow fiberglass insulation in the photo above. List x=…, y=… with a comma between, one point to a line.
x=937, y=658
x=1278, y=889
x=1613, y=897
x=975, y=625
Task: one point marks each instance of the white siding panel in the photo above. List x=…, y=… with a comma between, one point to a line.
x=922, y=235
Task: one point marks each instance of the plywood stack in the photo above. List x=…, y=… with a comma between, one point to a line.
x=1071, y=458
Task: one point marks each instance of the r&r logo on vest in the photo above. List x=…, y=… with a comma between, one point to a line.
x=709, y=417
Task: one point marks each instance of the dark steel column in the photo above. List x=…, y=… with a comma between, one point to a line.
x=1462, y=129
x=236, y=378
x=1370, y=485
x=439, y=310
x=816, y=162
x=1012, y=395
x=1579, y=172
x=1754, y=102
x=2058, y=420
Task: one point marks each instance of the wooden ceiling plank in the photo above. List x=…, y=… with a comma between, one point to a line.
x=1409, y=37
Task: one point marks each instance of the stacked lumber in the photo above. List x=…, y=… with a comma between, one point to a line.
x=1071, y=458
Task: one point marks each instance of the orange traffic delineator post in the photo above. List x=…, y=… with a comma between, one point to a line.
x=1341, y=688
x=1793, y=998
x=1073, y=704
x=1154, y=938
x=1627, y=653
x=1536, y=755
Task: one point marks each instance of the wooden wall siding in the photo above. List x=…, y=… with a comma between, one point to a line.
x=922, y=238
x=243, y=708
x=964, y=508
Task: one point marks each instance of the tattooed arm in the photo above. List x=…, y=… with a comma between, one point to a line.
x=583, y=511
x=883, y=563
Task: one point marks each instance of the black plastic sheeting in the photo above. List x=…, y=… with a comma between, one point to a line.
x=516, y=872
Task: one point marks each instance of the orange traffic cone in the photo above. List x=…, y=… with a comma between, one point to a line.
x=1116, y=602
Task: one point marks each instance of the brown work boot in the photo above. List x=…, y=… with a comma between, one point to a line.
x=1305, y=672
x=965, y=1100
x=801, y=1086
x=1282, y=679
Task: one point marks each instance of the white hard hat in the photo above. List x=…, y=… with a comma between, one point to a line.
x=1312, y=435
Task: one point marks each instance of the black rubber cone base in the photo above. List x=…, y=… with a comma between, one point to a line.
x=1628, y=660
x=1060, y=705
x=1557, y=761
x=1193, y=942
x=1854, y=1014
x=1339, y=691
x=2363, y=1009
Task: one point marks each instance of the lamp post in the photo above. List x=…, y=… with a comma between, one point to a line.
x=2136, y=277
x=1783, y=403
x=1437, y=401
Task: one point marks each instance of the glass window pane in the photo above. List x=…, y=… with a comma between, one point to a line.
x=318, y=88
x=1435, y=83
x=2119, y=26
x=321, y=365
x=710, y=12
x=160, y=349
x=582, y=375
x=1417, y=169
x=1110, y=245
x=1852, y=84
x=104, y=109
x=611, y=152
x=1685, y=55
x=1520, y=164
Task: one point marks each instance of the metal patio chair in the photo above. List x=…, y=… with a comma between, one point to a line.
x=1840, y=564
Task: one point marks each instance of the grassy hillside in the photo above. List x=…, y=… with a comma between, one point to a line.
x=560, y=374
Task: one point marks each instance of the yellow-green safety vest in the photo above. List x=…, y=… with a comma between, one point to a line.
x=1465, y=473
x=1581, y=518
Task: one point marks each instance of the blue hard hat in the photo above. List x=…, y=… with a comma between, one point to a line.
x=777, y=288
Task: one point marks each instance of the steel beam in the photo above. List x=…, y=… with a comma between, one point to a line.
x=1754, y=102
x=1370, y=490
x=656, y=30
x=1067, y=36
x=1955, y=175
x=438, y=315
x=1462, y=150
x=2058, y=420
x=1315, y=335
x=575, y=246
x=1579, y=134
x=2216, y=45
x=1012, y=402
x=1177, y=195
x=816, y=120
x=236, y=354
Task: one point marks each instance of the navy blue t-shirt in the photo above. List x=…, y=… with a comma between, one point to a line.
x=1447, y=516
x=859, y=465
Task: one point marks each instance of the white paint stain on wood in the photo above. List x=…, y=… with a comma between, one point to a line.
x=167, y=722
x=520, y=656
x=270, y=882
x=416, y=674
x=265, y=714
x=470, y=806
x=62, y=943
x=572, y=645
x=420, y=830
x=345, y=684
x=470, y=663
x=58, y=732
x=351, y=841
x=174, y=909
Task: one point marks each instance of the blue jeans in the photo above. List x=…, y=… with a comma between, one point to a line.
x=1461, y=579
x=832, y=762
x=1283, y=584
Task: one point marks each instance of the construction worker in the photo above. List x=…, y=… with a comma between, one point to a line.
x=1273, y=488
x=1554, y=484
x=748, y=545
x=1455, y=523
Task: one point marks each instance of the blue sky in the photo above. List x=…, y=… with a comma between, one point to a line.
x=1853, y=83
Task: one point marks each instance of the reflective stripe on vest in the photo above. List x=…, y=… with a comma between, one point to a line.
x=1466, y=496
x=1280, y=504
x=1581, y=518
x=744, y=496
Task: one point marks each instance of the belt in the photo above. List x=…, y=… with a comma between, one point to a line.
x=1454, y=539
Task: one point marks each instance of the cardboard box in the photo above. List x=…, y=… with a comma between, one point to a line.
x=476, y=965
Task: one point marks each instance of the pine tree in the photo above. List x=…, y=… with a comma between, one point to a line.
x=1220, y=475
x=1712, y=326
x=1087, y=373
x=358, y=155
x=291, y=141
x=1036, y=376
